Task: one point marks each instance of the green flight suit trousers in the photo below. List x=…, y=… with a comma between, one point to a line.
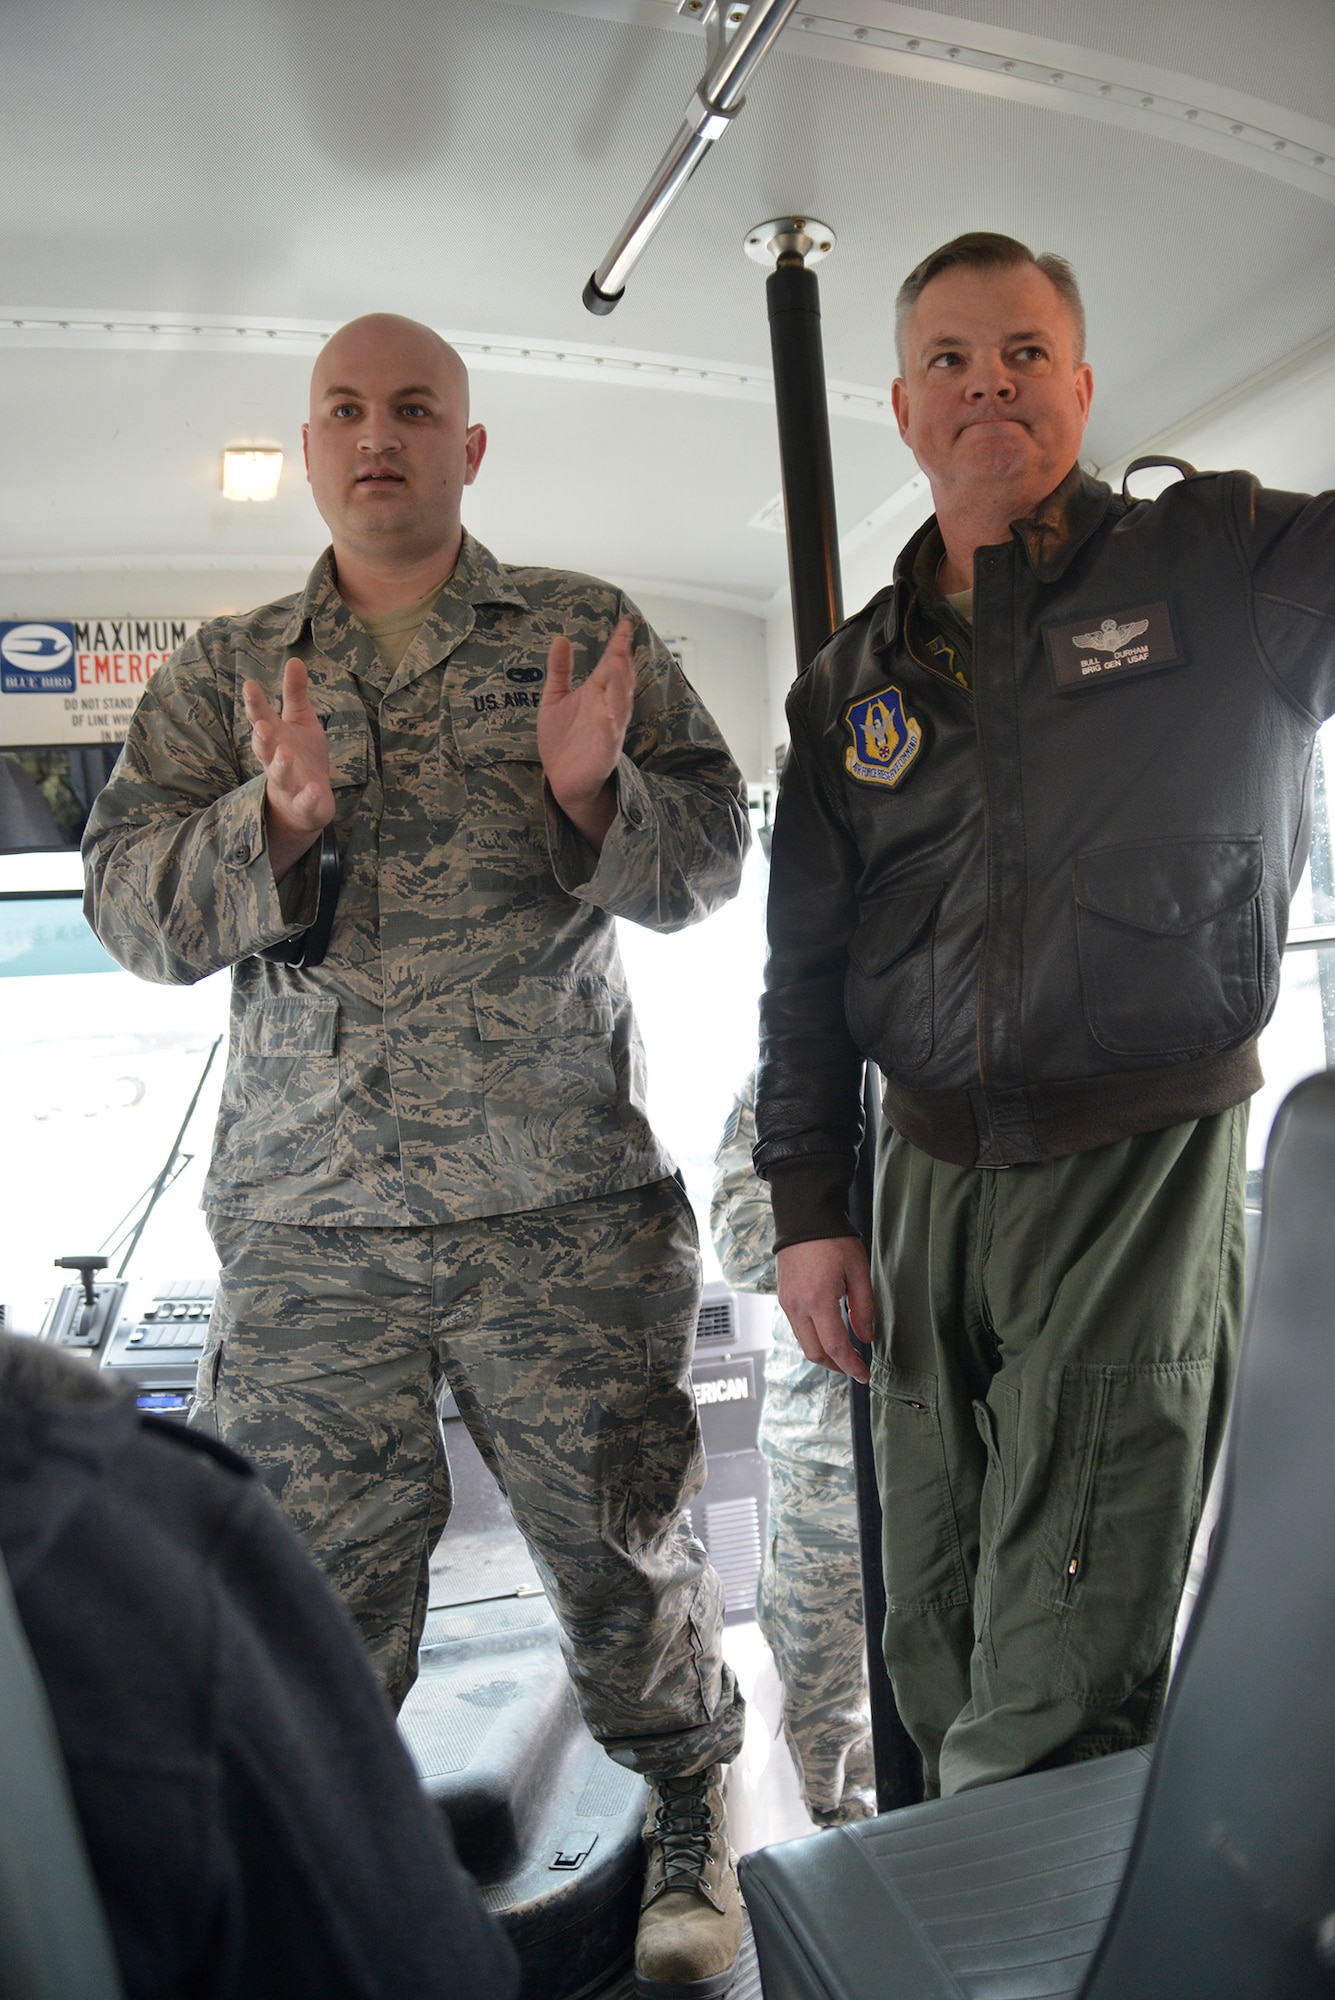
x=565, y=1335
x=1054, y=1360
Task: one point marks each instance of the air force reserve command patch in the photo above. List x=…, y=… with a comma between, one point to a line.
x=1112, y=646
x=885, y=740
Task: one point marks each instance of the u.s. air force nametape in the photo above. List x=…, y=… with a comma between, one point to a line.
x=1112, y=645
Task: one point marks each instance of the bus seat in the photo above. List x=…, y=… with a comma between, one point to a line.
x=53, y=1935
x=1219, y=1882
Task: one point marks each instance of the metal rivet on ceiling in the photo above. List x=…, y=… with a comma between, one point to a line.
x=1145, y=103
x=1105, y=90
x=1193, y=114
x=1058, y=76
x=859, y=34
x=1009, y=68
x=1318, y=159
x=1237, y=130
x=913, y=43
x=952, y=53
x=1278, y=146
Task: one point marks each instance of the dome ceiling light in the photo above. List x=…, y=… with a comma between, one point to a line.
x=251, y=474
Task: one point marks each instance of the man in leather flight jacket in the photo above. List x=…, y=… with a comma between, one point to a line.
x=1033, y=857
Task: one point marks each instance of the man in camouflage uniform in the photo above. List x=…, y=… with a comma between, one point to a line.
x=809, y=1598
x=433, y=1171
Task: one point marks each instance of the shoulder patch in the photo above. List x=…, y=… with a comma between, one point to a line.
x=885, y=739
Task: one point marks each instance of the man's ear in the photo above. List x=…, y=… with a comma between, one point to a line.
x=899, y=399
x=306, y=450
x=1084, y=388
x=475, y=448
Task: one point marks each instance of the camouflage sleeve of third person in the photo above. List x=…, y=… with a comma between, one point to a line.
x=741, y=1221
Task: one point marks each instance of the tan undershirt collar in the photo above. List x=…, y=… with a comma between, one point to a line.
x=394, y=631
x=961, y=603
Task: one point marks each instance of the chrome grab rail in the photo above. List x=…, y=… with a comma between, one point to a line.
x=717, y=101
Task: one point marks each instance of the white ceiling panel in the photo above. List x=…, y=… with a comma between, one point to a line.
x=468, y=161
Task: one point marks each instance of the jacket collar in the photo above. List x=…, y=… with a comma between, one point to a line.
x=1054, y=533
x=1051, y=536
x=477, y=578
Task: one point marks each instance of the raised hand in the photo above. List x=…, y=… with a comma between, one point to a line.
x=581, y=731
x=298, y=797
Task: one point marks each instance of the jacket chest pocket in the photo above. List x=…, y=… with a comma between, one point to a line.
x=548, y=1081
x=501, y=791
x=349, y=742
x=495, y=725
x=1169, y=936
x=888, y=988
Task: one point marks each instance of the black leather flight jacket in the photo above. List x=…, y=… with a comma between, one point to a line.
x=1050, y=906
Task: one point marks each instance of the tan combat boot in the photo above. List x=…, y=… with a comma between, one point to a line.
x=691, y=1914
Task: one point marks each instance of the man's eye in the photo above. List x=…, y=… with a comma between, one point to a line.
x=344, y=410
x=948, y=359
x=1031, y=354
x=415, y=410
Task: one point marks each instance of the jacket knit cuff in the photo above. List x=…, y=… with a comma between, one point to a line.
x=810, y=1198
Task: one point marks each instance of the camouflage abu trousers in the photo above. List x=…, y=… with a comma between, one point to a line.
x=809, y=1597
x=565, y=1335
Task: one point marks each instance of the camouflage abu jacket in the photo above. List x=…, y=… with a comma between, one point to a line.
x=467, y=1047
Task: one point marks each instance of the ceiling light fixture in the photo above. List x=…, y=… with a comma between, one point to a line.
x=251, y=475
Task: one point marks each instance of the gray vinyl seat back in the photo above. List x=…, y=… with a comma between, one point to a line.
x=1229, y=1890
x=53, y=1935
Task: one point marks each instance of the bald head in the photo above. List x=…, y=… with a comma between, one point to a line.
x=389, y=448
x=389, y=338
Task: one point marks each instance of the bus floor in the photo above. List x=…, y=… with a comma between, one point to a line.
x=483, y=1580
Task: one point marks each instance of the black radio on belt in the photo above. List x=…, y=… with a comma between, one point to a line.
x=308, y=947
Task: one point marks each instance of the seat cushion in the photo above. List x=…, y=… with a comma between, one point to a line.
x=995, y=1894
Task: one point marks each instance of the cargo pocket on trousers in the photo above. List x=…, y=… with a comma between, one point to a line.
x=1123, y=1501
x=921, y=1550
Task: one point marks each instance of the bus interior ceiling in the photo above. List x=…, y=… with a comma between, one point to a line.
x=194, y=198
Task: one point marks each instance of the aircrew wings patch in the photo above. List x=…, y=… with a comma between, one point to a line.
x=885, y=739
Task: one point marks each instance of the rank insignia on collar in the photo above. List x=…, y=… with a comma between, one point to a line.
x=885, y=740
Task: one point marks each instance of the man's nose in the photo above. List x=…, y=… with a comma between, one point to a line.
x=378, y=437
x=990, y=380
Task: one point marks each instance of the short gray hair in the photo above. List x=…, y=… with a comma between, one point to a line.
x=982, y=250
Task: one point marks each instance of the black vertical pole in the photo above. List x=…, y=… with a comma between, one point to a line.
x=793, y=296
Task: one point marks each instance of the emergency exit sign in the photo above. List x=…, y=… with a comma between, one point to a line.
x=78, y=680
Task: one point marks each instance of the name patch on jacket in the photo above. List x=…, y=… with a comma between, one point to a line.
x=885, y=740
x=1114, y=645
